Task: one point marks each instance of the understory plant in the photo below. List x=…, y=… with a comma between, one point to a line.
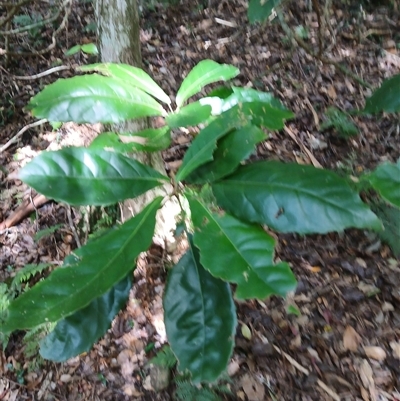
x=228, y=205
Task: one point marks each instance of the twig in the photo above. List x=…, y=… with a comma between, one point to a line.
x=314, y=161
x=40, y=75
x=20, y=132
x=306, y=372
x=23, y=210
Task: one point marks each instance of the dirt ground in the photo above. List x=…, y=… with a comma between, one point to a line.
x=345, y=344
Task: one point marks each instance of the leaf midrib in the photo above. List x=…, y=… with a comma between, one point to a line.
x=95, y=277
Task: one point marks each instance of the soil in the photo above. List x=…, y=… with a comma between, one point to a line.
x=345, y=342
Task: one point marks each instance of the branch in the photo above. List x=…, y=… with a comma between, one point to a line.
x=19, y=134
x=40, y=75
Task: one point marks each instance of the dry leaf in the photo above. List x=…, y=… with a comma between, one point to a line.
x=331, y=92
x=396, y=349
x=233, y=368
x=351, y=339
x=376, y=353
x=365, y=372
x=254, y=390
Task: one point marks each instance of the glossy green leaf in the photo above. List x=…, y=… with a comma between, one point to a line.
x=190, y=115
x=386, y=180
x=91, y=99
x=131, y=76
x=81, y=176
x=78, y=332
x=90, y=272
x=223, y=100
x=204, y=73
x=234, y=147
x=265, y=115
x=293, y=198
x=244, y=254
x=260, y=10
x=385, y=98
x=90, y=48
x=73, y=50
x=148, y=140
x=200, y=319
x=203, y=146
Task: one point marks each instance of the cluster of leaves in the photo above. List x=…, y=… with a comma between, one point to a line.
x=229, y=200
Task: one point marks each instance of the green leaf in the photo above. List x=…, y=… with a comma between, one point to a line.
x=265, y=115
x=293, y=310
x=73, y=50
x=131, y=76
x=204, y=73
x=78, y=332
x=93, y=270
x=293, y=198
x=260, y=10
x=45, y=232
x=90, y=48
x=190, y=115
x=386, y=98
x=234, y=147
x=91, y=99
x=203, y=146
x=148, y=140
x=81, y=176
x=340, y=121
x=390, y=217
x=386, y=180
x=200, y=318
x=245, y=254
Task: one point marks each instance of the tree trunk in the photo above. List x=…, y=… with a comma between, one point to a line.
x=119, y=42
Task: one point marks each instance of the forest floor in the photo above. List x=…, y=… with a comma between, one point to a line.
x=345, y=344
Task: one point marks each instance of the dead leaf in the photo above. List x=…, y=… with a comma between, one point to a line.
x=233, y=368
x=365, y=372
x=351, y=339
x=396, y=349
x=253, y=388
x=374, y=352
x=331, y=92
